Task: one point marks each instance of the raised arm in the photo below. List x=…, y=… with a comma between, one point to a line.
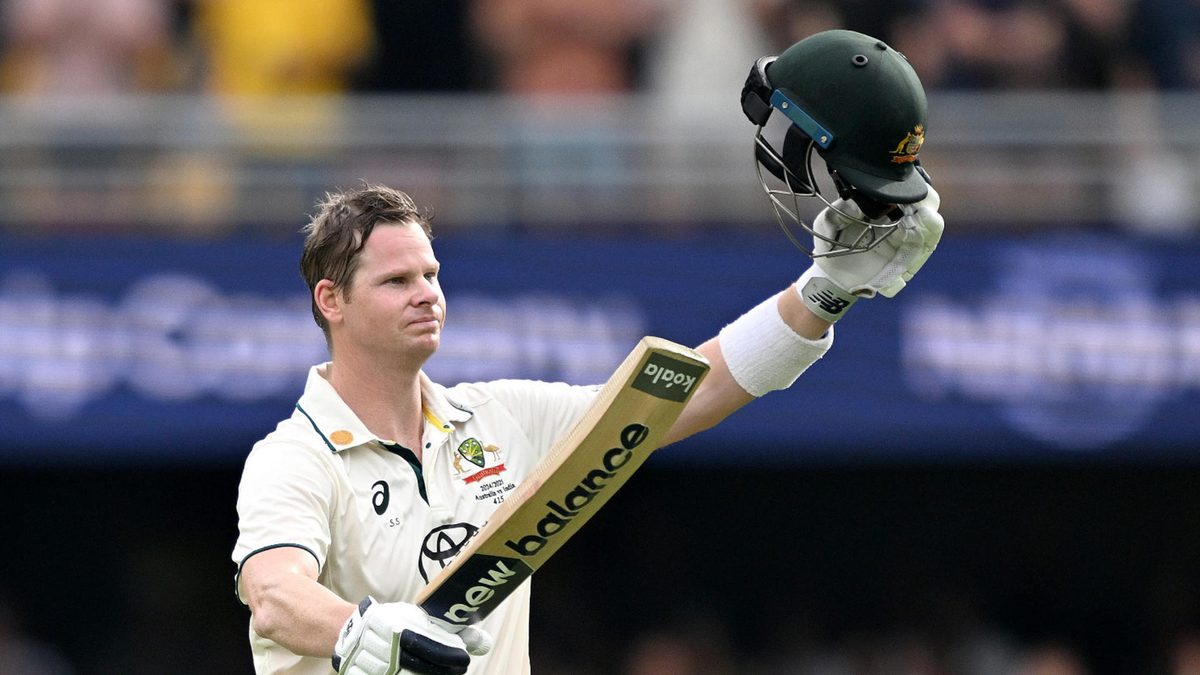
x=719, y=394
x=769, y=347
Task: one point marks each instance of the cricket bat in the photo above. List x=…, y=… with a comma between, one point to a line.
x=627, y=421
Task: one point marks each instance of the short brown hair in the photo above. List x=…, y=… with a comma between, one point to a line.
x=337, y=232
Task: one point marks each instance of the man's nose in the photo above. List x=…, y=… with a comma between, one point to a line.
x=429, y=292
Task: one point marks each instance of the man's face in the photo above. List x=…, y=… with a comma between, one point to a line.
x=395, y=307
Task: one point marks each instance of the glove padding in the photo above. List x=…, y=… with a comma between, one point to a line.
x=397, y=637
x=886, y=268
x=833, y=283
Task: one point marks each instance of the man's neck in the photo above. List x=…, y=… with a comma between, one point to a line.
x=387, y=400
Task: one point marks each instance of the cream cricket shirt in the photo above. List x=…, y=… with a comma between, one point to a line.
x=378, y=522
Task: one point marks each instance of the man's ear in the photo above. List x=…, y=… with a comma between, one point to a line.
x=328, y=300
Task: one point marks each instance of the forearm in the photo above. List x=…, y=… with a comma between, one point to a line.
x=717, y=397
x=720, y=395
x=299, y=614
x=798, y=317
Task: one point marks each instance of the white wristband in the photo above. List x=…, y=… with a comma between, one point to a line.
x=764, y=354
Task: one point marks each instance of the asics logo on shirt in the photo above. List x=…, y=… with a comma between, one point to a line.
x=381, y=497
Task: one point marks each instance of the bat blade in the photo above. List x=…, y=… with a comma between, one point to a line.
x=626, y=422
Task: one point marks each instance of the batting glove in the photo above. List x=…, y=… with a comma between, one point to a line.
x=832, y=284
x=393, y=638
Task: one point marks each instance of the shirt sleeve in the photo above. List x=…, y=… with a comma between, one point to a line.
x=545, y=410
x=285, y=498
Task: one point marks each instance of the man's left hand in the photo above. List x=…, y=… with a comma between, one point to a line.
x=833, y=283
x=889, y=266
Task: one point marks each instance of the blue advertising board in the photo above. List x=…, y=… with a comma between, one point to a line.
x=135, y=349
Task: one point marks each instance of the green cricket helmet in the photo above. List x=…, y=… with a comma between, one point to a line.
x=859, y=105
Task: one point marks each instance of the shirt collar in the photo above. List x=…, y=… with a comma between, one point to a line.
x=341, y=429
x=440, y=409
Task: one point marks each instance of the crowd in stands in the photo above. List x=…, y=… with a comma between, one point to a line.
x=675, y=51
x=573, y=46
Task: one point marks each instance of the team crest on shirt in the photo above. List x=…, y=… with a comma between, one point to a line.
x=480, y=466
x=906, y=150
x=485, y=460
x=470, y=450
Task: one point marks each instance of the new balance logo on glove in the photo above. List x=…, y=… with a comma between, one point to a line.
x=829, y=302
x=822, y=296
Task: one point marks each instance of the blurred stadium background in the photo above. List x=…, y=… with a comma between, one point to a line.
x=995, y=474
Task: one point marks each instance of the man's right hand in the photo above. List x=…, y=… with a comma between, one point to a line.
x=397, y=637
